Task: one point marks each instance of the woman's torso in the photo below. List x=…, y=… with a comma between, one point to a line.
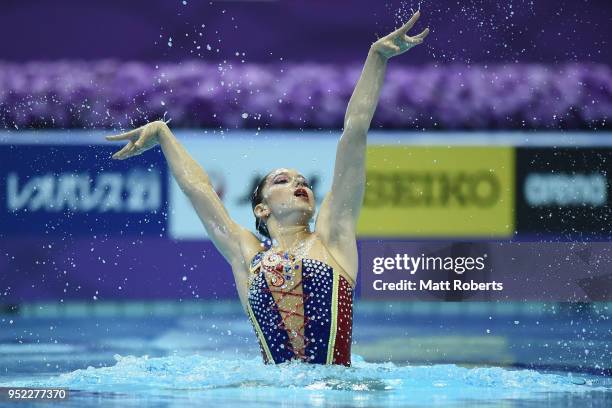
x=300, y=305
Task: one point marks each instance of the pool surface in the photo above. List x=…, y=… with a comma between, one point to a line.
x=411, y=354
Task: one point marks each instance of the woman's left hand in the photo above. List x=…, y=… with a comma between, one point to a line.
x=398, y=42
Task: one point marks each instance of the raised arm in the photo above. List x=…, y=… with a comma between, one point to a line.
x=340, y=209
x=228, y=236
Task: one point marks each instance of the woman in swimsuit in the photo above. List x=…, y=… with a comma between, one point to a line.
x=297, y=292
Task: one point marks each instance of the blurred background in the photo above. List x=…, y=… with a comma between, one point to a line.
x=495, y=130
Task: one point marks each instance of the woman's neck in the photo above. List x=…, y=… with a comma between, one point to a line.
x=288, y=237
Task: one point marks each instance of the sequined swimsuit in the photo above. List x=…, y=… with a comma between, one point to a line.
x=317, y=299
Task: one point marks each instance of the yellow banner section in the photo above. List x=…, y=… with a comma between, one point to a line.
x=438, y=192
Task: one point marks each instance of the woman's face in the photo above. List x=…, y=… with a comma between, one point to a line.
x=287, y=190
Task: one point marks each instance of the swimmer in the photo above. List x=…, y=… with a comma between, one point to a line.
x=298, y=289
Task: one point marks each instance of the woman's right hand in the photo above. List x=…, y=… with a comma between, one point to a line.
x=139, y=140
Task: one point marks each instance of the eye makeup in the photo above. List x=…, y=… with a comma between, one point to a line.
x=283, y=178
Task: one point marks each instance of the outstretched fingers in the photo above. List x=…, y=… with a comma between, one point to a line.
x=124, y=136
x=404, y=29
x=423, y=34
x=419, y=37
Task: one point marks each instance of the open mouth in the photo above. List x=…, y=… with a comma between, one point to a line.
x=300, y=192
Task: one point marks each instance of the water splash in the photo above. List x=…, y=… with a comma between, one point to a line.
x=366, y=382
x=495, y=28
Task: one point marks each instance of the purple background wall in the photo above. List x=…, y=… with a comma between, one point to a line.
x=114, y=268
x=303, y=30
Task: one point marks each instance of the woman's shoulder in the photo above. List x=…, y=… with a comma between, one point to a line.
x=338, y=259
x=250, y=246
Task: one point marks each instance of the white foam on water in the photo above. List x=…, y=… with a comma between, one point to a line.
x=366, y=383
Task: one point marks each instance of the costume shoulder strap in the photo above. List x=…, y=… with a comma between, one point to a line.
x=256, y=262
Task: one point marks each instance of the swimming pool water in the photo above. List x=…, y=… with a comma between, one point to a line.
x=404, y=355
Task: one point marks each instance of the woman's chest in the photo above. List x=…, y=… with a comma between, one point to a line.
x=282, y=269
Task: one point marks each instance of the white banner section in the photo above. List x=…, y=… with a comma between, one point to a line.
x=235, y=165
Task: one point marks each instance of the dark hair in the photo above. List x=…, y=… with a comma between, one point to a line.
x=256, y=198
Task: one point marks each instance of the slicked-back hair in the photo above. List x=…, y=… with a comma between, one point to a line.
x=257, y=198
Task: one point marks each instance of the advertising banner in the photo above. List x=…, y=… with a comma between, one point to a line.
x=70, y=216
x=78, y=190
x=564, y=192
x=438, y=192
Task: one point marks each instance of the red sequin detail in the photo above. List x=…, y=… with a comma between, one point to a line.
x=342, y=349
